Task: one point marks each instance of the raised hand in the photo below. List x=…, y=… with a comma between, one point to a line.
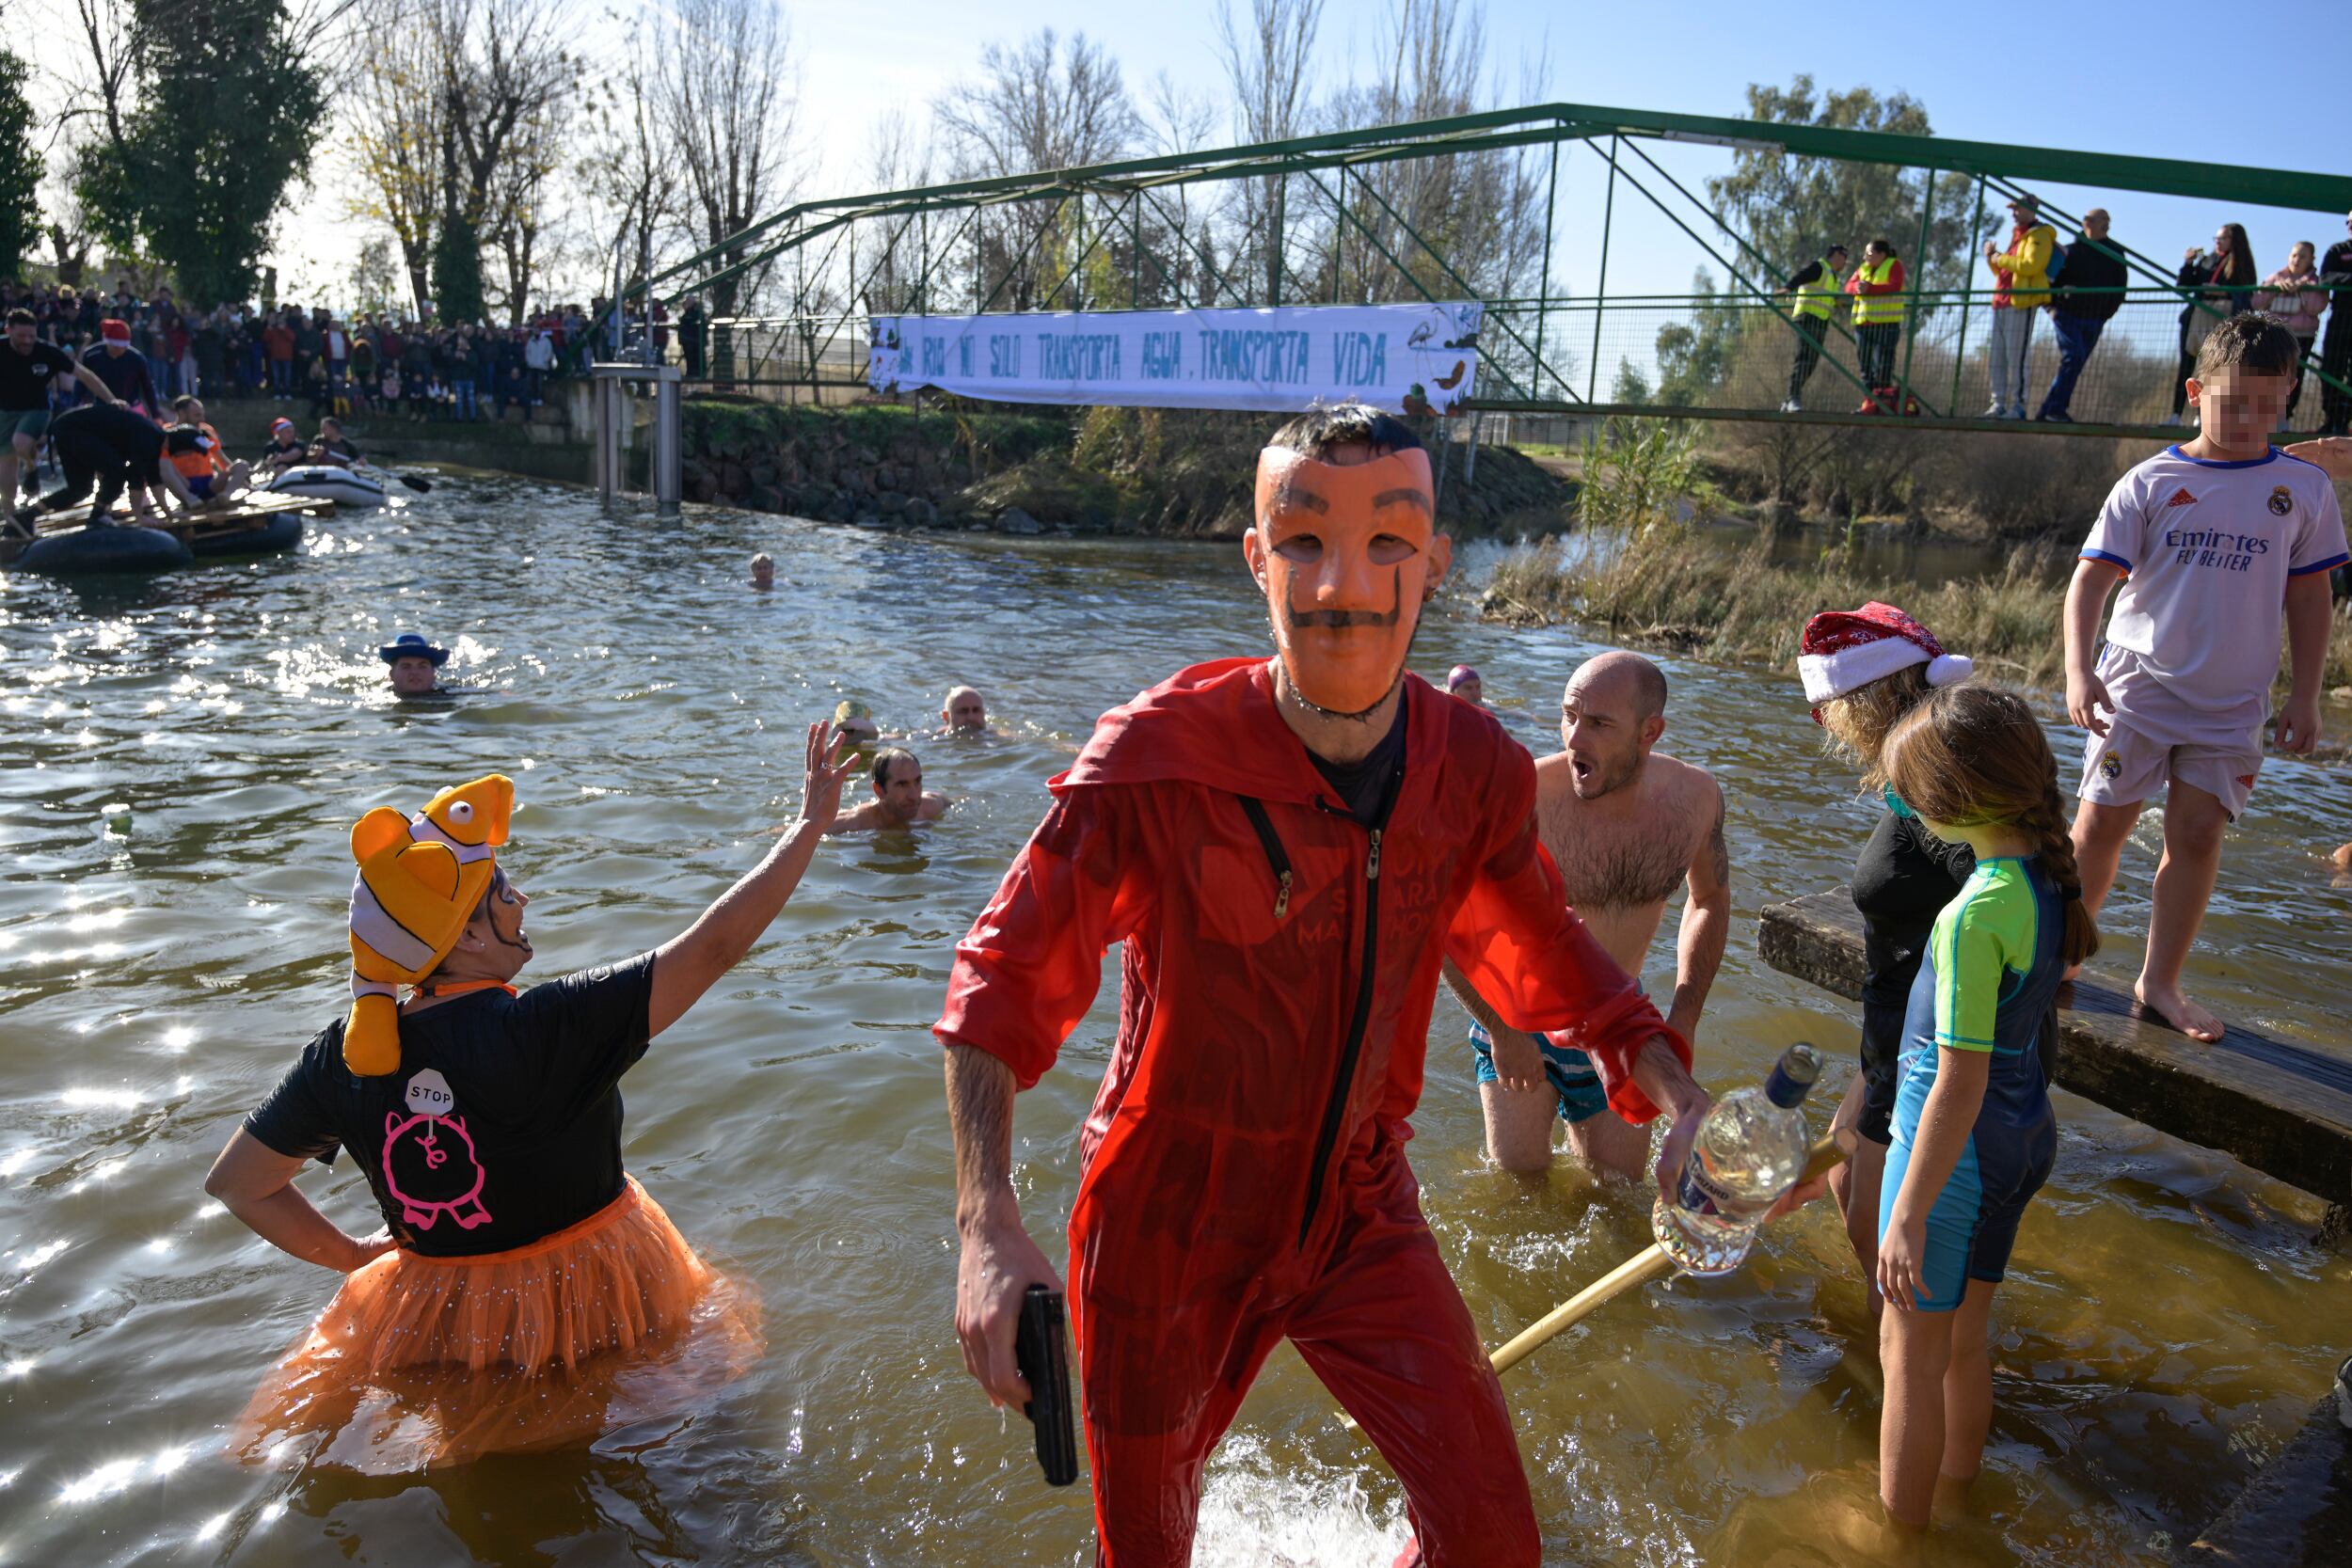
x=828, y=764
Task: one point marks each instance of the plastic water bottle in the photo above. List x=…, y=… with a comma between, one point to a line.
x=1751, y=1148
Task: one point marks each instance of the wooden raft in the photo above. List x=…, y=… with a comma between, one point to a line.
x=2285, y=1110
x=249, y=510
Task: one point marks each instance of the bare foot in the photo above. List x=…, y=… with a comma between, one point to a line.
x=2170, y=1004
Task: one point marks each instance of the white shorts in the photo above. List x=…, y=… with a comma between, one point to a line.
x=2153, y=737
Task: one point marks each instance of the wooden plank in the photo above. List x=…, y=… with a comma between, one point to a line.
x=250, y=509
x=2284, y=1109
x=2297, y=1513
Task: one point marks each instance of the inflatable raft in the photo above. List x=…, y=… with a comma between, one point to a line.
x=255, y=523
x=330, y=482
x=118, y=548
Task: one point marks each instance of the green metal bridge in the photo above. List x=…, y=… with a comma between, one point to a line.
x=1344, y=218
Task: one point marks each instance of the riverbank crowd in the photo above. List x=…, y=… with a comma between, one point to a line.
x=151, y=348
x=2080, y=285
x=1296, y=851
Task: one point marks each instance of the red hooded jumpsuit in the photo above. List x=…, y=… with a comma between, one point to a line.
x=1244, y=1165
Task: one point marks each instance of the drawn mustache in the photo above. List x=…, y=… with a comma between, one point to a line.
x=1339, y=620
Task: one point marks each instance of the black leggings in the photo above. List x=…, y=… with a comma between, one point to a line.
x=89, y=463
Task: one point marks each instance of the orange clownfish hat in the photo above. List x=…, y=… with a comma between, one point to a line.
x=421, y=878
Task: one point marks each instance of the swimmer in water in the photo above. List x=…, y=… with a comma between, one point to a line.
x=416, y=665
x=966, y=712
x=1463, y=681
x=763, y=571
x=523, y=1293
x=899, y=798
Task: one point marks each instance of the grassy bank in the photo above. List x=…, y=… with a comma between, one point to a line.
x=1665, y=589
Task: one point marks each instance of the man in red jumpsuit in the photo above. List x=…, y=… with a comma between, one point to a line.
x=1288, y=848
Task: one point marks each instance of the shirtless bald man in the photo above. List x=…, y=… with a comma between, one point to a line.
x=1625, y=825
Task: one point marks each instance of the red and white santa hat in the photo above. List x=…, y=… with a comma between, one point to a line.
x=1844, y=650
x=112, y=331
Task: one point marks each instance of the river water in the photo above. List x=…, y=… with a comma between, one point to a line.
x=183, y=759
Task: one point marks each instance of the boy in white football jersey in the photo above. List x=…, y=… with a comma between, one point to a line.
x=2216, y=542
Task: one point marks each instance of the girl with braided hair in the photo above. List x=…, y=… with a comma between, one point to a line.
x=1973, y=1134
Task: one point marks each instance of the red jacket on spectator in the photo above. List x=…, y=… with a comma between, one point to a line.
x=278, y=340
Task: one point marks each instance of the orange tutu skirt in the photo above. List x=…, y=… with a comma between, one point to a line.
x=430, y=1361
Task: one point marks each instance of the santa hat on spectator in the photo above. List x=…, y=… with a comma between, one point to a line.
x=1845, y=650
x=114, y=331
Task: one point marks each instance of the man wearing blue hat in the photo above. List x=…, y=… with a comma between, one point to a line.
x=416, y=665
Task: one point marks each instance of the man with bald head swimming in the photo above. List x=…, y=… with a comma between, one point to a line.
x=1626, y=824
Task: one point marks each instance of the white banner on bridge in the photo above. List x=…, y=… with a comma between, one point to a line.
x=1406, y=358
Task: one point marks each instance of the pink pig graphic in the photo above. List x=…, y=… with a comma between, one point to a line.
x=436, y=1158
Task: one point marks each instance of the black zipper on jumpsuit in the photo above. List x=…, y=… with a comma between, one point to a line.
x=1335, y=1108
x=1275, y=857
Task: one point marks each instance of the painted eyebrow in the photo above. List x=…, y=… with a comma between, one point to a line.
x=1292, y=495
x=1386, y=498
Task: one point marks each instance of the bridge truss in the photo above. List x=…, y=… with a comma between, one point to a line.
x=1332, y=219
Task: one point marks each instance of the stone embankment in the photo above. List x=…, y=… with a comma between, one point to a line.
x=1117, y=471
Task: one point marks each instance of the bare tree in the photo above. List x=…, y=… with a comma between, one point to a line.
x=455, y=89
x=893, y=279
x=630, y=163
x=1178, y=234
x=1037, y=106
x=1465, y=219
x=726, y=95
x=393, y=114
x=1265, y=62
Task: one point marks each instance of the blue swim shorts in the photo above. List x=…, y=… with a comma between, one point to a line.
x=1973, y=1226
x=1570, y=1071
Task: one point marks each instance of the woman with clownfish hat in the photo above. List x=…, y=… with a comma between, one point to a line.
x=521, y=1271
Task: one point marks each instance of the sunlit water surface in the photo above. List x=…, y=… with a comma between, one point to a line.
x=183, y=760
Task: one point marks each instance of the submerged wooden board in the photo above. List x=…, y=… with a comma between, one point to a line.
x=2284, y=1109
x=2297, y=1513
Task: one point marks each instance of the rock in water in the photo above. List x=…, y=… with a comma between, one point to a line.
x=1014, y=520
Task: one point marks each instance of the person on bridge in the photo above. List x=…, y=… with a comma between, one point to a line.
x=2294, y=296
x=2335, y=349
x=2215, y=286
x=2216, y=542
x=1877, y=287
x=2080, y=310
x=1626, y=826
x=2023, y=275
x=1813, y=289
x=1288, y=848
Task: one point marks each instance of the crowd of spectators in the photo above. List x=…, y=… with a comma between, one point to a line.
x=2079, y=284
x=151, y=349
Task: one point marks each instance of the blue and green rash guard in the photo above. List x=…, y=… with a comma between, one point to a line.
x=1991, y=972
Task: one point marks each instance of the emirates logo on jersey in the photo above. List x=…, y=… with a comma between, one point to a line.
x=2181, y=497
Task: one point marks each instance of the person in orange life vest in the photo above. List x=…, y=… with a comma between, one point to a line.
x=193, y=447
x=1289, y=848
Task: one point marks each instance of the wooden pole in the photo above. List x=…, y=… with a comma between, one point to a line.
x=1642, y=1267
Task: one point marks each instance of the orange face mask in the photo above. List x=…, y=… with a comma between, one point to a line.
x=1347, y=553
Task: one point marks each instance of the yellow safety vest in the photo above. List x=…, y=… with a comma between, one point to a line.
x=1873, y=310
x=1818, y=298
